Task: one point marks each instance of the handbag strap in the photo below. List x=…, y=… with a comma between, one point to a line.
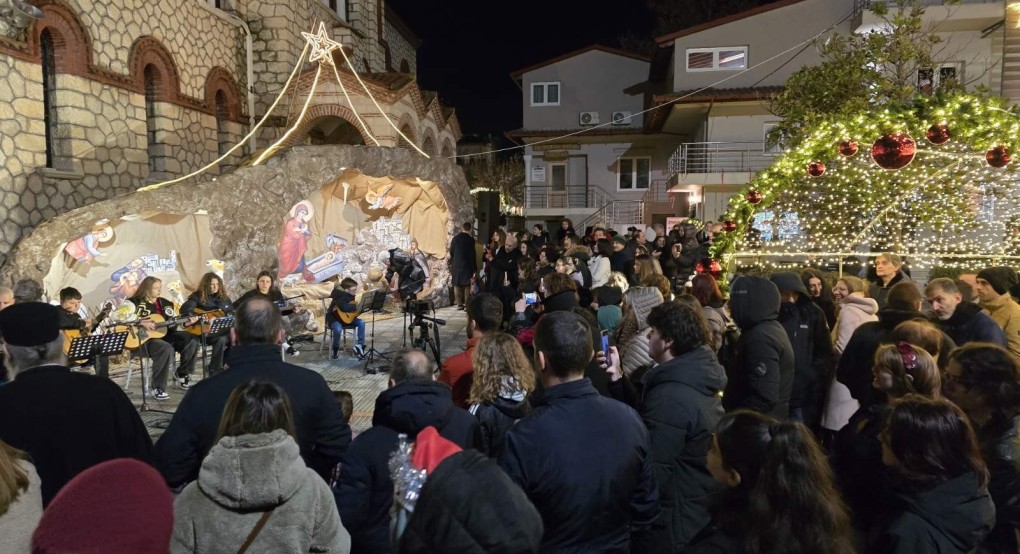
x=255, y=532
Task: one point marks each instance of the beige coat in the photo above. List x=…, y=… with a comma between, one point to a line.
x=1006, y=312
x=241, y=478
x=22, y=517
x=854, y=311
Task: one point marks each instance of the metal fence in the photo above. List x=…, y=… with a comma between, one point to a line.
x=719, y=157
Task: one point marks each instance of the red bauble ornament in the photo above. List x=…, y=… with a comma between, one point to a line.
x=848, y=147
x=815, y=169
x=729, y=225
x=754, y=197
x=893, y=151
x=998, y=156
x=937, y=134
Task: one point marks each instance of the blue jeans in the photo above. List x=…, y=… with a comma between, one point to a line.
x=338, y=326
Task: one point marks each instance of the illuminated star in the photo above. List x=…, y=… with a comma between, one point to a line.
x=322, y=45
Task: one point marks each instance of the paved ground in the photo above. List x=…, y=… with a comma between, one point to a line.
x=346, y=373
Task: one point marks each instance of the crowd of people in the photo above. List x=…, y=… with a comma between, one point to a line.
x=613, y=397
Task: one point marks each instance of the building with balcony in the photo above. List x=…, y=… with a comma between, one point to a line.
x=723, y=126
x=614, y=173
x=100, y=97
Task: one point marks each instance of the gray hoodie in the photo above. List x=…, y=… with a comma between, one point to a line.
x=241, y=478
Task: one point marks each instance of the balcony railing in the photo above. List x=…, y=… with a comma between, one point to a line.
x=719, y=157
x=576, y=196
x=860, y=5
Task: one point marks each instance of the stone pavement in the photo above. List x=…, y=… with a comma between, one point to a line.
x=346, y=373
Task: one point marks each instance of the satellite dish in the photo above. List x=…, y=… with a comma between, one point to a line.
x=26, y=9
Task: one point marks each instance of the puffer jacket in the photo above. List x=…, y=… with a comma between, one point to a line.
x=1000, y=444
x=761, y=376
x=241, y=478
x=681, y=406
x=951, y=518
x=855, y=310
x=634, y=355
x=496, y=418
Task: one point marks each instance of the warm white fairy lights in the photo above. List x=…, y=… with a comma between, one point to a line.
x=948, y=207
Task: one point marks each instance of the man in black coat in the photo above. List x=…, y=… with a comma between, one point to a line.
x=67, y=422
x=462, y=264
x=584, y=460
x=762, y=372
x=963, y=321
x=414, y=401
x=903, y=303
x=322, y=434
x=681, y=405
x=808, y=331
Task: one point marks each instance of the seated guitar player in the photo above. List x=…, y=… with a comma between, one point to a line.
x=70, y=320
x=343, y=301
x=295, y=317
x=211, y=297
x=148, y=303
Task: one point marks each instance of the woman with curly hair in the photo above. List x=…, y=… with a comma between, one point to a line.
x=779, y=494
x=211, y=296
x=503, y=379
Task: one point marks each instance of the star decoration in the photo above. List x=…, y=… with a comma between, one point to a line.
x=322, y=45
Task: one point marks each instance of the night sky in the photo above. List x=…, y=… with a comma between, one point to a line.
x=470, y=47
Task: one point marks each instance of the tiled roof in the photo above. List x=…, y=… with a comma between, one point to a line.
x=657, y=117
x=666, y=40
x=517, y=74
x=597, y=131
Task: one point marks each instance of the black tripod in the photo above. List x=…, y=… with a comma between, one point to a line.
x=424, y=324
x=373, y=355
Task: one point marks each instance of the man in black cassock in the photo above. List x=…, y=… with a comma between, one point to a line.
x=66, y=421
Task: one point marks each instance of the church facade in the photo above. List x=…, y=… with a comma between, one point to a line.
x=101, y=97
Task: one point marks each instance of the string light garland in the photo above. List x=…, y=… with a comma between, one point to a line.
x=948, y=206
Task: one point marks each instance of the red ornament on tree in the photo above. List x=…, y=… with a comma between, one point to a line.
x=938, y=134
x=893, y=151
x=754, y=197
x=998, y=156
x=848, y=147
x=729, y=225
x=816, y=169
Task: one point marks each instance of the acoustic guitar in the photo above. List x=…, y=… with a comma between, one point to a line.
x=71, y=334
x=347, y=318
x=138, y=335
x=205, y=318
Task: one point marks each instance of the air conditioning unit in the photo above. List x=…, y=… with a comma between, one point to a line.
x=621, y=118
x=589, y=118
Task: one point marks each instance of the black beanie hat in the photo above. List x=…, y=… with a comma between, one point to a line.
x=1001, y=278
x=30, y=324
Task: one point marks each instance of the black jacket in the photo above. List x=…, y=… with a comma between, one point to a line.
x=681, y=406
x=364, y=490
x=969, y=323
x=854, y=369
x=468, y=505
x=880, y=293
x=951, y=518
x=498, y=267
x=1000, y=446
x=69, y=422
x=857, y=464
x=342, y=300
x=805, y=325
x=274, y=295
x=495, y=419
x=462, y=259
x=585, y=462
x=321, y=432
x=761, y=377
x=215, y=303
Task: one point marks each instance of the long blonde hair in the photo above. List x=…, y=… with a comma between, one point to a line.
x=499, y=363
x=13, y=478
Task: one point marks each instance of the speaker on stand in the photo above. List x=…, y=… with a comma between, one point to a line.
x=487, y=214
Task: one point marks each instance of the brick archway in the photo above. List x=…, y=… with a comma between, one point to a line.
x=220, y=80
x=71, y=39
x=325, y=110
x=148, y=51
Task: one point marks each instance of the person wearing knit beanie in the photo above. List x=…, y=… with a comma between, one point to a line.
x=120, y=506
x=993, y=292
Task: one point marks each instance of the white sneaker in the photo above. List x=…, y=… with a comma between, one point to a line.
x=359, y=349
x=160, y=394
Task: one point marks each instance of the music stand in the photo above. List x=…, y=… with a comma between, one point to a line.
x=217, y=326
x=90, y=346
x=378, y=300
